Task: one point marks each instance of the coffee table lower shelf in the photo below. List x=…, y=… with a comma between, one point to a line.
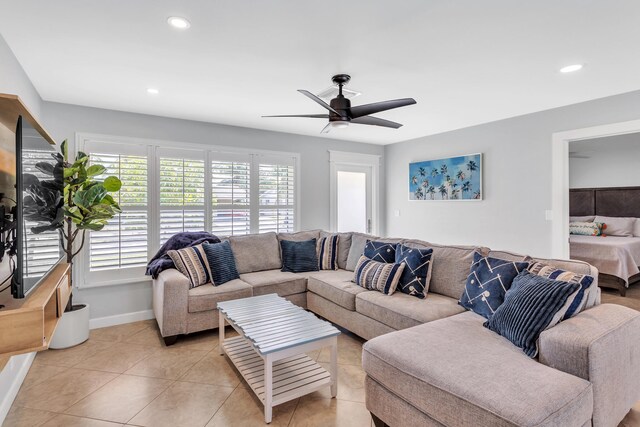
x=293, y=376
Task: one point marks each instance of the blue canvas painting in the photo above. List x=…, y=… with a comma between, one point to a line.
x=455, y=178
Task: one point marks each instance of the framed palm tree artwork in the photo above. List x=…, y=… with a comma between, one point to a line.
x=455, y=179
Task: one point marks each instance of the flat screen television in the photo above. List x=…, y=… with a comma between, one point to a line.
x=32, y=187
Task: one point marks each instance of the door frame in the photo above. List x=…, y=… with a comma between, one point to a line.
x=560, y=177
x=343, y=158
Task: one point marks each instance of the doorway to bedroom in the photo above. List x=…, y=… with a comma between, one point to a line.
x=604, y=212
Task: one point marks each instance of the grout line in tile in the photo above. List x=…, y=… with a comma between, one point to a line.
x=152, y=400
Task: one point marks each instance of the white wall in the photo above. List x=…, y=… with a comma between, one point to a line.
x=605, y=162
x=517, y=178
x=63, y=121
x=13, y=80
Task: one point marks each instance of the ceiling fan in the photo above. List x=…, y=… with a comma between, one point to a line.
x=341, y=113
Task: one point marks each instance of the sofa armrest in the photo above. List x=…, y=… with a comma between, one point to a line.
x=601, y=345
x=170, y=302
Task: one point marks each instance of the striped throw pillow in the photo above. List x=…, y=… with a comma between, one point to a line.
x=580, y=300
x=192, y=262
x=378, y=276
x=529, y=307
x=328, y=252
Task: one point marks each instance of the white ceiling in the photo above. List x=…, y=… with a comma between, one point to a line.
x=465, y=62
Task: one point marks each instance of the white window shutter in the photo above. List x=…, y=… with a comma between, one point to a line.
x=123, y=242
x=276, y=188
x=230, y=196
x=182, y=196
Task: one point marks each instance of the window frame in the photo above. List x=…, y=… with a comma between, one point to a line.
x=152, y=148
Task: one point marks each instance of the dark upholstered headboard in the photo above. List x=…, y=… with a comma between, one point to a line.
x=612, y=201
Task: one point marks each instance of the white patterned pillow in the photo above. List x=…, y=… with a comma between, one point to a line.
x=192, y=262
x=585, y=228
x=378, y=276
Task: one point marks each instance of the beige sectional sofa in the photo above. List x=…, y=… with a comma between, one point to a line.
x=428, y=361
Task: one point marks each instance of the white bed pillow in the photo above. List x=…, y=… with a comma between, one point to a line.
x=588, y=218
x=636, y=229
x=623, y=227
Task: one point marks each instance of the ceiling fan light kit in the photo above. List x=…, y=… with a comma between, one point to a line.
x=341, y=113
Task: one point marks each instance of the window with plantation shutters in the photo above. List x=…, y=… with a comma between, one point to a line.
x=276, y=199
x=43, y=249
x=123, y=242
x=182, y=196
x=168, y=188
x=230, y=196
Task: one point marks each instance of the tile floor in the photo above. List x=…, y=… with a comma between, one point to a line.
x=124, y=375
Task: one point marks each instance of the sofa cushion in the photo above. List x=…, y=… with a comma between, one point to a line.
x=275, y=281
x=417, y=272
x=450, y=265
x=533, y=304
x=335, y=286
x=468, y=375
x=299, y=256
x=328, y=252
x=192, y=262
x=256, y=252
x=344, y=243
x=488, y=282
x=585, y=281
x=401, y=311
x=206, y=297
x=380, y=251
x=299, y=236
x=222, y=264
x=358, y=241
x=378, y=276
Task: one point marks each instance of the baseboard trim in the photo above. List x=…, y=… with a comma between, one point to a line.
x=119, y=319
x=11, y=378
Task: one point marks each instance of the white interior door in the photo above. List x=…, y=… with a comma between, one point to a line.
x=353, y=198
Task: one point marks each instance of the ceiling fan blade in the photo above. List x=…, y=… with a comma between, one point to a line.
x=326, y=129
x=318, y=100
x=368, y=120
x=309, y=116
x=376, y=107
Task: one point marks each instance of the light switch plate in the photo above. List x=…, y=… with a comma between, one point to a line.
x=548, y=215
x=396, y=212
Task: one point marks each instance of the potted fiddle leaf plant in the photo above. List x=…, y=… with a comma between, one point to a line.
x=87, y=206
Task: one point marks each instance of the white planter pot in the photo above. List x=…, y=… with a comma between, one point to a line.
x=73, y=329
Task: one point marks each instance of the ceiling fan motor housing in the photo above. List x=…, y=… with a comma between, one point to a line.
x=341, y=105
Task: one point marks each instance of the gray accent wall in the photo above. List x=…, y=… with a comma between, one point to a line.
x=64, y=121
x=517, y=178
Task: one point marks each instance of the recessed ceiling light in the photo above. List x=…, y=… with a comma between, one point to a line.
x=571, y=68
x=178, y=22
x=153, y=91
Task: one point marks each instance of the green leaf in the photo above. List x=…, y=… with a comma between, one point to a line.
x=73, y=212
x=112, y=184
x=94, y=170
x=88, y=198
x=69, y=172
x=64, y=148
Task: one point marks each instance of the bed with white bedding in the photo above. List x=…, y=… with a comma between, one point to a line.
x=616, y=255
x=611, y=255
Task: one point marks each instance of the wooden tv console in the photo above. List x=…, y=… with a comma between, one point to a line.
x=28, y=324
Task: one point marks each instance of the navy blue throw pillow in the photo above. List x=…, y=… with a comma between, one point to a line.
x=416, y=274
x=298, y=257
x=221, y=262
x=488, y=281
x=528, y=308
x=380, y=251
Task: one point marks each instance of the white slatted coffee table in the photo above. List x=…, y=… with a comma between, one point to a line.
x=270, y=351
